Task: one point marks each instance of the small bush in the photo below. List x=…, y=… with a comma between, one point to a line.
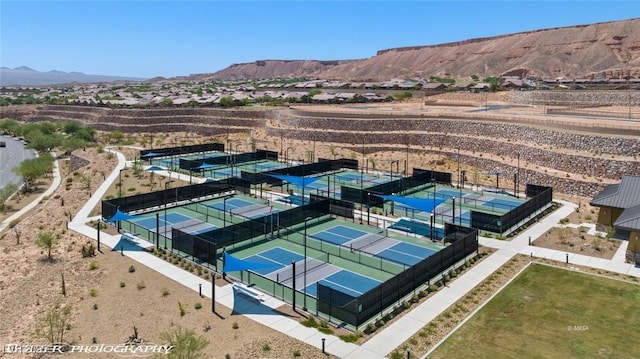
x=93, y=292
x=310, y=322
x=94, y=265
x=406, y=304
x=371, y=327
x=296, y=353
x=266, y=347
x=95, y=306
x=351, y=338
x=165, y=292
x=89, y=250
x=122, y=285
x=183, y=311
x=197, y=306
x=141, y=285
x=132, y=269
x=235, y=325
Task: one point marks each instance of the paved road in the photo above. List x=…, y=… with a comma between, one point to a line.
x=10, y=157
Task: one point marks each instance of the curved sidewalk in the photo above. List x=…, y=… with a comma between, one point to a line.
x=57, y=179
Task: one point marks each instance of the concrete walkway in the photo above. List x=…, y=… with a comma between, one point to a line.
x=386, y=340
x=57, y=179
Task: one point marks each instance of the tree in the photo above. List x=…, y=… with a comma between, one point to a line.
x=314, y=92
x=5, y=193
x=46, y=240
x=115, y=136
x=53, y=324
x=30, y=170
x=71, y=127
x=71, y=144
x=227, y=101
x=186, y=345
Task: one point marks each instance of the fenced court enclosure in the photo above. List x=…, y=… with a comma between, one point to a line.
x=322, y=252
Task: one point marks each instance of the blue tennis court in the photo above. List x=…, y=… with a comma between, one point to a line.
x=449, y=193
x=347, y=282
x=294, y=199
x=168, y=220
x=338, y=235
x=269, y=166
x=348, y=176
x=463, y=218
x=406, y=253
x=277, y=256
x=229, y=205
x=420, y=228
x=502, y=204
x=208, y=228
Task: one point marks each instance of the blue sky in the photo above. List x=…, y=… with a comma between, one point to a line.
x=165, y=38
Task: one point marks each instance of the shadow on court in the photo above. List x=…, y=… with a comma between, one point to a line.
x=242, y=304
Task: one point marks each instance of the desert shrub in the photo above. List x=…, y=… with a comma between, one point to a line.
x=93, y=292
x=141, y=285
x=88, y=250
x=351, y=338
x=94, y=265
x=197, y=306
x=310, y=322
x=122, y=284
x=132, y=269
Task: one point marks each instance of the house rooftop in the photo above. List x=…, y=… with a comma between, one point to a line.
x=624, y=195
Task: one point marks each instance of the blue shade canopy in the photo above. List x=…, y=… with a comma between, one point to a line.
x=296, y=180
x=120, y=216
x=155, y=168
x=152, y=154
x=232, y=264
x=422, y=204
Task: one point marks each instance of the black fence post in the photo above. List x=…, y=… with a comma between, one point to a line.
x=98, y=229
x=213, y=291
x=293, y=285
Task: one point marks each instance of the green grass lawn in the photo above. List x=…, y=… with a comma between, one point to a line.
x=549, y=312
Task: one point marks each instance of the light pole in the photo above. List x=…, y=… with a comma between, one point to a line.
x=120, y=182
x=304, y=306
x=459, y=172
x=235, y=160
x=518, y=177
x=406, y=162
x=392, y=162
x=286, y=155
x=368, y=206
x=431, y=218
x=224, y=214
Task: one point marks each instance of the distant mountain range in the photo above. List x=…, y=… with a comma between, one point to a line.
x=608, y=50
x=25, y=76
